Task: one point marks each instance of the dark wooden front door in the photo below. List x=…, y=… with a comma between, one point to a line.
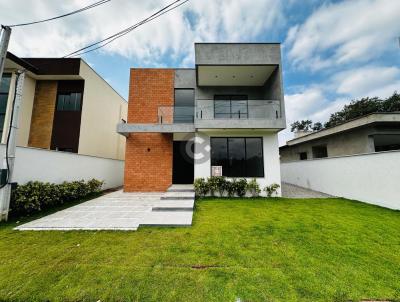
x=183, y=163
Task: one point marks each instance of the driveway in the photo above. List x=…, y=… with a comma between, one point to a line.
x=122, y=211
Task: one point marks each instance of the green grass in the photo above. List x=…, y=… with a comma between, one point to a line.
x=255, y=250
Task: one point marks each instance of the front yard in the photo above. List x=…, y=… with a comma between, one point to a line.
x=255, y=250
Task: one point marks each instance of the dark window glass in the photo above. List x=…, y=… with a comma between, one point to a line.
x=219, y=152
x=319, y=152
x=386, y=142
x=239, y=157
x=69, y=101
x=230, y=106
x=4, y=90
x=254, y=157
x=184, y=106
x=303, y=155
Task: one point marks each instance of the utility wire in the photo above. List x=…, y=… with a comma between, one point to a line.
x=65, y=15
x=125, y=31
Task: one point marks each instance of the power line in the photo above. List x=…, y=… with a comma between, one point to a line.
x=125, y=31
x=65, y=15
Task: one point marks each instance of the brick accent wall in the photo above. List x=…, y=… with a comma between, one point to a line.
x=43, y=114
x=148, y=156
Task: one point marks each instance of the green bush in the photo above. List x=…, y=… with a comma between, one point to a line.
x=271, y=190
x=254, y=188
x=200, y=187
x=231, y=187
x=212, y=184
x=36, y=196
x=241, y=187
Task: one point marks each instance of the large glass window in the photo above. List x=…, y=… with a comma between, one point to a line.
x=238, y=156
x=230, y=106
x=4, y=91
x=184, y=106
x=69, y=101
x=319, y=151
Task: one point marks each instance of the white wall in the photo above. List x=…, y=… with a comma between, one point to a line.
x=53, y=166
x=102, y=109
x=372, y=178
x=202, y=166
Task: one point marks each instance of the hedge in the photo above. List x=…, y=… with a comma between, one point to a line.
x=36, y=196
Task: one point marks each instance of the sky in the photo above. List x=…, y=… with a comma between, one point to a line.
x=332, y=51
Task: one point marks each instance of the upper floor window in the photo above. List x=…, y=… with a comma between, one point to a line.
x=4, y=90
x=184, y=105
x=231, y=106
x=69, y=101
x=319, y=152
x=303, y=155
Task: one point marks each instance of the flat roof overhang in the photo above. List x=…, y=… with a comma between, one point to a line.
x=125, y=129
x=233, y=75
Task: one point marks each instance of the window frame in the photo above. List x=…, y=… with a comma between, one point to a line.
x=229, y=97
x=6, y=94
x=315, y=150
x=262, y=175
x=179, y=118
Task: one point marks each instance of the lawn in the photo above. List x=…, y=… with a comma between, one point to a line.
x=255, y=250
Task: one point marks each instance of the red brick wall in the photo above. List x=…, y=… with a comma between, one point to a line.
x=148, y=156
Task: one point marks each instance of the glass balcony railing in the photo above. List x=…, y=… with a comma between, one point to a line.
x=252, y=111
x=176, y=115
x=244, y=109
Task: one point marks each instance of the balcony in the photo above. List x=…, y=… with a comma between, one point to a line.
x=251, y=114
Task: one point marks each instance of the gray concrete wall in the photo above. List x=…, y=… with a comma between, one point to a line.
x=237, y=53
x=185, y=78
x=356, y=141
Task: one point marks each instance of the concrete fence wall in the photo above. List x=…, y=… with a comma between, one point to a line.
x=373, y=178
x=53, y=166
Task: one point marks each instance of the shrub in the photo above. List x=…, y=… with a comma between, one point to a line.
x=231, y=187
x=200, y=186
x=35, y=196
x=253, y=187
x=222, y=185
x=272, y=189
x=213, y=184
x=241, y=187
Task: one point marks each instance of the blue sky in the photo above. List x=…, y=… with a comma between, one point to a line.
x=333, y=51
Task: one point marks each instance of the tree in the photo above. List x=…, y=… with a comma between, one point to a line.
x=317, y=126
x=364, y=106
x=303, y=125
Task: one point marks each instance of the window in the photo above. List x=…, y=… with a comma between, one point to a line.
x=386, y=142
x=4, y=89
x=303, y=155
x=230, y=106
x=238, y=156
x=184, y=106
x=319, y=152
x=69, y=101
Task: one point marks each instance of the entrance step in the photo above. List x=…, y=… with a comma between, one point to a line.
x=177, y=195
x=174, y=205
x=168, y=218
x=181, y=188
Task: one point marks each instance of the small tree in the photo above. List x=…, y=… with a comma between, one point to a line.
x=303, y=125
x=317, y=126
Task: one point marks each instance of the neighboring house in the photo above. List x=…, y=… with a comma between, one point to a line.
x=230, y=105
x=66, y=106
x=371, y=133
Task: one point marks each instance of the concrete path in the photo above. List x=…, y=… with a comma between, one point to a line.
x=293, y=191
x=122, y=211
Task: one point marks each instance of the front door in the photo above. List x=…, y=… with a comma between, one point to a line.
x=183, y=163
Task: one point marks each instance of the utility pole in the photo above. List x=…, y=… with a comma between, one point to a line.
x=9, y=157
x=5, y=38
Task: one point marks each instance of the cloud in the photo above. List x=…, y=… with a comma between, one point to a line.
x=368, y=81
x=344, y=32
x=171, y=35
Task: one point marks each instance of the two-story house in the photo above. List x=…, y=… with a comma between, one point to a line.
x=66, y=106
x=189, y=123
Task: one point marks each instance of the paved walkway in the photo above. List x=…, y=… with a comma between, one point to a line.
x=122, y=211
x=293, y=191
